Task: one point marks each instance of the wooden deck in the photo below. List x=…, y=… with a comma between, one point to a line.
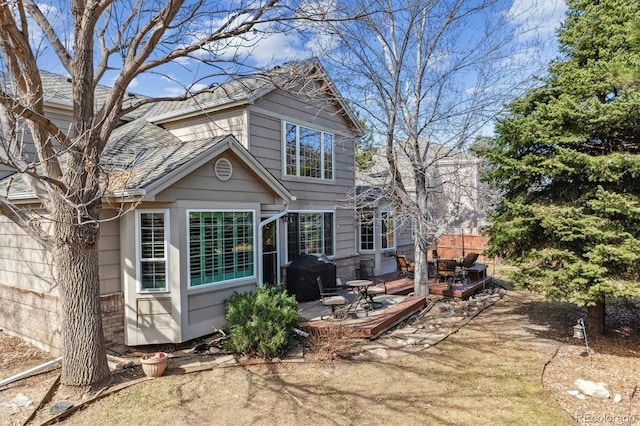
x=458, y=289
x=477, y=279
x=369, y=324
x=398, y=305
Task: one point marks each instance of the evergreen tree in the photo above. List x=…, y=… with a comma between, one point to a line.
x=567, y=159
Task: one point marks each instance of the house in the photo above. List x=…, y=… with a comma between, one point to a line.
x=455, y=203
x=219, y=191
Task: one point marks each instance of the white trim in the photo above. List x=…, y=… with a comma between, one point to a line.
x=347, y=133
x=221, y=165
x=393, y=230
x=359, y=240
x=167, y=245
x=283, y=145
x=246, y=132
x=261, y=226
x=197, y=110
x=333, y=230
x=227, y=283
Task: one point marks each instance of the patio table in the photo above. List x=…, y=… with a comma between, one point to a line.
x=360, y=289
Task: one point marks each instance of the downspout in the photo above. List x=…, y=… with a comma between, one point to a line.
x=261, y=226
x=30, y=372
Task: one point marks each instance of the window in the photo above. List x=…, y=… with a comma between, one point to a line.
x=309, y=233
x=308, y=152
x=366, y=231
x=387, y=231
x=153, y=232
x=220, y=246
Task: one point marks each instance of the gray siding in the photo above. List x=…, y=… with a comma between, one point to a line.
x=184, y=313
x=28, y=293
x=207, y=311
x=204, y=185
x=24, y=263
x=60, y=117
x=266, y=121
x=109, y=257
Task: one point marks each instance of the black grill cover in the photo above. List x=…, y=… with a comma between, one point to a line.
x=302, y=274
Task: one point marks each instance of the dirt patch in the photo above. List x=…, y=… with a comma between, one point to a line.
x=613, y=361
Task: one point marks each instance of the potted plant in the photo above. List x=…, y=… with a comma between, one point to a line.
x=154, y=364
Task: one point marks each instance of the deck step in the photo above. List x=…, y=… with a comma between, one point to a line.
x=371, y=326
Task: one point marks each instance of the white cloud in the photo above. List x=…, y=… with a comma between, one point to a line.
x=537, y=17
x=172, y=91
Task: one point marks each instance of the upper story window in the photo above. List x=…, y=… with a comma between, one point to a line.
x=221, y=246
x=309, y=233
x=152, y=250
x=308, y=152
x=387, y=231
x=367, y=235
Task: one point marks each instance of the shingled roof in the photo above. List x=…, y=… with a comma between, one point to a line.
x=57, y=90
x=243, y=90
x=139, y=153
x=142, y=158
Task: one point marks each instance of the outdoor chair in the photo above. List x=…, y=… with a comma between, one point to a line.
x=405, y=266
x=367, y=272
x=468, y=261
x=446, y=269
x=331, y=299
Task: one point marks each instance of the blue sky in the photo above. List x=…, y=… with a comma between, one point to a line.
x=537, y=18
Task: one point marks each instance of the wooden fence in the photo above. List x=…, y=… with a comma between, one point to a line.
x=456, y=246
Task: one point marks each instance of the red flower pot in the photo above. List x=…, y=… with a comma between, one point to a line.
x=154, y=364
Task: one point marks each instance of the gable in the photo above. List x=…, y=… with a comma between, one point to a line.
x=204, y=184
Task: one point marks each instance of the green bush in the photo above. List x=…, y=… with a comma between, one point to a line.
x=262, y=322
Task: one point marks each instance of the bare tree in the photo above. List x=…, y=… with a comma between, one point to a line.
x=428, y=76
x=62, y=167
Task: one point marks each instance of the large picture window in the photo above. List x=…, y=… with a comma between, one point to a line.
x=153, y=232
x=308, y=152
x=387, y=231
x=221, y=246
x=366, y=231
x=309, y=233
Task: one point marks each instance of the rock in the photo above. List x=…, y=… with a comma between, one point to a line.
x=19, y=402
x=60, y=407
x=617, y=398
x=412, y=341
x=382, y=353
x=593, y=389
x=574, y=392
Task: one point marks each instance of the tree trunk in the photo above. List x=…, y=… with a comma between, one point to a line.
x=421, y=273
x=596, y=318
x=84, y=359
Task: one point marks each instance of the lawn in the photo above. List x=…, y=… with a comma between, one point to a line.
x=483, y=374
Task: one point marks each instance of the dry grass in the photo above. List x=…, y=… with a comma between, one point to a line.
x=332, y=343
x=477, y=376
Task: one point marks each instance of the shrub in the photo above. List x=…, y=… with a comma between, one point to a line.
x=262, y=322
